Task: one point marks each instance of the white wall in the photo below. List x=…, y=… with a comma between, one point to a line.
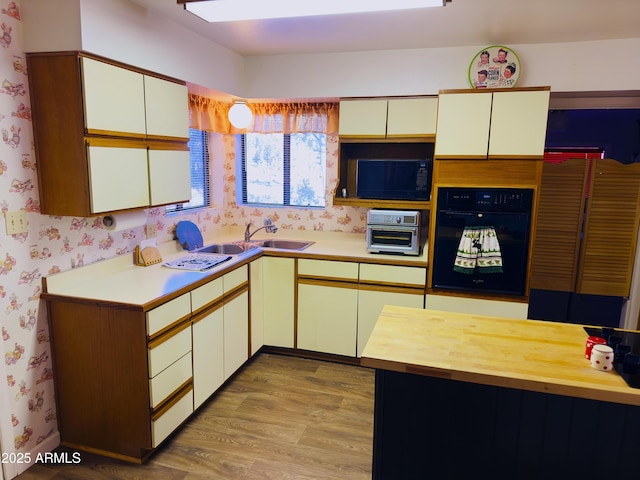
x=579, y=66
x=129, y=33
x=50, y=26
x=124, y=31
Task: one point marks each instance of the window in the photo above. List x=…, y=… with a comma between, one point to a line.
x=199, y=155
x=283, y=169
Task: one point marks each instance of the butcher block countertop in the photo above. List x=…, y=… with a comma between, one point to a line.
x=529, y=355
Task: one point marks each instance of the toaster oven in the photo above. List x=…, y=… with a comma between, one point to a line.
x=393, y=231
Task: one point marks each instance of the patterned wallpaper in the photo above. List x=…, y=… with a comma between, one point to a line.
x=53, y=244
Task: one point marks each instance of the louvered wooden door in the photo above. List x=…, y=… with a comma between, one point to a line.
x=611, y=229
x=557, y=240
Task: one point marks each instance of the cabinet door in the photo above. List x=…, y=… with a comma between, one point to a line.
x=114, y=99
x=256, y=301
x=327, y=318
x=412, y=117
x=610, y=233
x=167, y=108
x=556, y=246
x=208, y=355
x=370, y=303
x=169, y=176
x=118, y=178
x=236, y=333
x=279, y=289
x=463, y=125
x=363, y=118
x=519, y=123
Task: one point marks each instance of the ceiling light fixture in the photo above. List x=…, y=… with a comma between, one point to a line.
x=240, y=115
x=238, y=10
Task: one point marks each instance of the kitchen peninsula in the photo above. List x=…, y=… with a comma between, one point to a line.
x=459, y=395
x=138, y=349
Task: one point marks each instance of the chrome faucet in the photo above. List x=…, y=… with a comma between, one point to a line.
x=268, y=226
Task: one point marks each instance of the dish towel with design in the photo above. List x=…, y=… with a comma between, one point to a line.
x=479, y=251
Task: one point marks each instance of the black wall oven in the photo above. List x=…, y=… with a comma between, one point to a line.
x=482, y=239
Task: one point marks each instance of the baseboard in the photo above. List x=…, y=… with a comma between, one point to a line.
x=12, y=470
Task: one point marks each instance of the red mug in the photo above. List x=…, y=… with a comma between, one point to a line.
x=591, y=341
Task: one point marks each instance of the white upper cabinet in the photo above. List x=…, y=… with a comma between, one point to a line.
x=167, y=108
x=363, y=118
x=118, y=178
x=113, y=98
x=519, y=123
x=169, y=176
x=412, y=117
x=388, y=118
x=463, y=125
x=95, y=160
x=504, y=124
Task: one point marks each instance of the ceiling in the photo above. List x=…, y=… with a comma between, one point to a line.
x=460, y=23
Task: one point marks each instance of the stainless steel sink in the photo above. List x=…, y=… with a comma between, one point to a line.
x=286, y=244
x=224, y=248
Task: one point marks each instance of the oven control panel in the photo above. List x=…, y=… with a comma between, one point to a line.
x=494, y=199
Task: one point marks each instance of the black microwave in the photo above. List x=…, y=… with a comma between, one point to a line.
x=394, y=179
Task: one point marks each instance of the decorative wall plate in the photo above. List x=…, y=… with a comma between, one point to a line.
x=494, y=67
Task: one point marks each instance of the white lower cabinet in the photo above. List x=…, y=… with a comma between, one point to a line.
x=165, y=421
x=170, y=375
x=208, y=354
x=236, y=319
x=370, y=303
x=220, y=331
x=236, y=333
x=382, y=285
x=339, y=302
x=170, y=379
x=327, y=318
x=256, y=304
x=327, y=306
x=278, y=295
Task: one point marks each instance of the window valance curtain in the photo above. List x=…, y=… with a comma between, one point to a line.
x=297, y=117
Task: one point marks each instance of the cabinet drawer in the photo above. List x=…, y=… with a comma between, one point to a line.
x=236, y=277
x=393, y=274
x=328, y=269
x=163, y=425
x=168, y=313
x=206, y=294
x=169, y=380
x=165, y=352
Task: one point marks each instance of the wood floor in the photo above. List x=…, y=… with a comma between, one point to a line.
x=279, y=418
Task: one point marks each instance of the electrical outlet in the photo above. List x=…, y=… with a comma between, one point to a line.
x=16, y=222
x=151, y=230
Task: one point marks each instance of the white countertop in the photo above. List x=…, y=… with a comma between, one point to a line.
x=118, y=280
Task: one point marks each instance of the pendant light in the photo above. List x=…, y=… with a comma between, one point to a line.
x=240, y=115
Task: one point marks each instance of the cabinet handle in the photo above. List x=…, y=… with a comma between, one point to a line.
x=172, y=332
